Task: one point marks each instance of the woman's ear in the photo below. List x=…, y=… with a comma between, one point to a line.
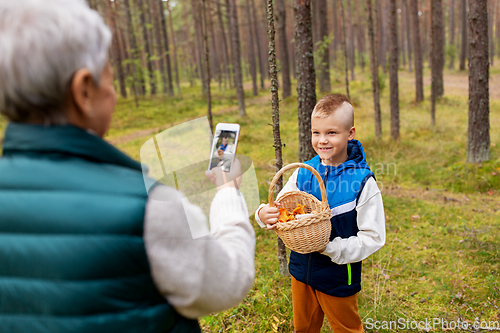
x=352, y=133
x=82, y=92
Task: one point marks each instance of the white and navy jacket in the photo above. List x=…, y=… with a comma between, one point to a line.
x=358, y=223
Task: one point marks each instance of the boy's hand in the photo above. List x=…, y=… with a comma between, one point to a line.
x=269, y=215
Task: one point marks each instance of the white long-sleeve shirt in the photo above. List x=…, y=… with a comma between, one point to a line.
x=370, y=219
x=202, y=275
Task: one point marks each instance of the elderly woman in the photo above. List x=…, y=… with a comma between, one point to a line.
x=82, y=247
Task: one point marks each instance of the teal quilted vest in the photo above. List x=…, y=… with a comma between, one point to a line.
x=72, y=255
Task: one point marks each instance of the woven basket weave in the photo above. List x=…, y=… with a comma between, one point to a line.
x=308, y=234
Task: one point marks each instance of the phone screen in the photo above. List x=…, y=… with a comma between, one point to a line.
x=223, y=149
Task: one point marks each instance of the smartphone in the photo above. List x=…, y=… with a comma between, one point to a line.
x=224, y=146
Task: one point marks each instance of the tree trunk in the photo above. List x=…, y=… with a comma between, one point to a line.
x=117, y=56
x=478, y=143
x=451, y=18
x=380, y=34
x=361, y=36
x=158, y=37
x=283, y=48
x=336, y=36
x=260, y=52
x=273, y=73
x=497, y=26
x=306, y=77
x=401, y=43
x=174, y=46
x=324, y=54
x=393, y=69
x=149, y=61
x=491, y=15
x=251, y=51
x=408, y=38
x=199, y=44
x=463, y=51
x=235, y=54
x=225, y=53
x=291, y=39
x=372, y=41
x=344, y=48
x=189, y=46
x=352, y=58
x=137, y=69
x=207, y=64
x=437, y=49
x=417, y=47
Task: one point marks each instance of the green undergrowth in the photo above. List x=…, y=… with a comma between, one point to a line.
x=441, y=258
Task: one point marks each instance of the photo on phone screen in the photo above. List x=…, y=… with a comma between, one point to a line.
x=224, y=147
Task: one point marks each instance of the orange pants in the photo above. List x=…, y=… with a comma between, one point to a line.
x=310, y=307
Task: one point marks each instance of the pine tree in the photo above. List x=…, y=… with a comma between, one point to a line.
x=478, y=143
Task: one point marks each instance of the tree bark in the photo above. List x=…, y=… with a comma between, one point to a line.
x=451, y=18
x=174, y=46
x=336, y=35
x=361, y=36
x=117, y=56
x=463, y=51
x=199, y=44
x=273, y=74
x=235, y=54
x=344, y=48
x=478, y=142
x=324, y=68
x=417, y=47
x=283, y=48
x=497, y=27
x=437, y=47
x=149, y=61
x=393, y=69
x=408, y=31
x=207, y=65
x=251, y=50
x=137, y=69
x=351, y=54
x=260, y=52
x=380, y=34
x=372, y=41
x=306, y=76
x=491, y=15
x=189, y=46
x=225, y=53
x=158, y=38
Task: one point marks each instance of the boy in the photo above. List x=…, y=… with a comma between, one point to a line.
x=328, y=282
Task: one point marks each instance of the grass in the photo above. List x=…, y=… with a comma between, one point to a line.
x=442, y=255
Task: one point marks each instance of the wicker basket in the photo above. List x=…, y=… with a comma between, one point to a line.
x=309, y=234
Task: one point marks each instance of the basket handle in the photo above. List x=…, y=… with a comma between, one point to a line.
x=324, y=203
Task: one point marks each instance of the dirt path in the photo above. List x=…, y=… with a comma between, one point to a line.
x=150, y=131
x=458, y=83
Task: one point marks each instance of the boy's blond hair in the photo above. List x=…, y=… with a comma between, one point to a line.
x=329, y=104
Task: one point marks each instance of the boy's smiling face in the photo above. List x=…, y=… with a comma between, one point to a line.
x=330, y=136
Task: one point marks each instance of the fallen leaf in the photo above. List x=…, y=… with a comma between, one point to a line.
x=491, y=192
x=415, y=217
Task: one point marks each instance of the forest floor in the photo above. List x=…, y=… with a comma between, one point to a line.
x=441, y=261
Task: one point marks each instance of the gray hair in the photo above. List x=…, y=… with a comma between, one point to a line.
x=42, y=44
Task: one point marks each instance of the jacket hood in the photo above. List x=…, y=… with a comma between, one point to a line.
x=356, y=160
